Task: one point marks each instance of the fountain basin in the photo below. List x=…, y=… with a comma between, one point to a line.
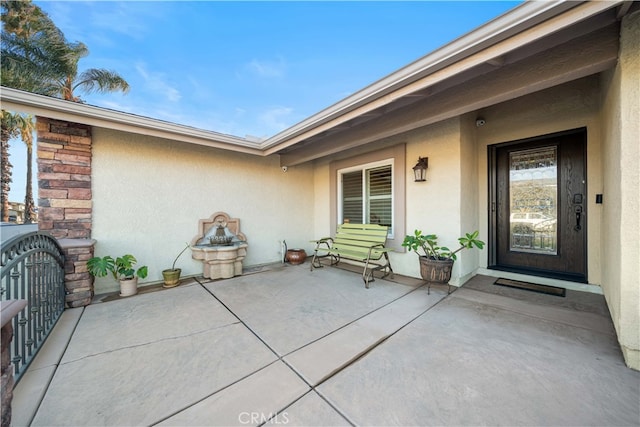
x=220, y=262
x=224, y=260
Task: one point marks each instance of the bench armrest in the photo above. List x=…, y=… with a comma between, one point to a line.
x=323, y=239
x=326, y=241
x=379, y=247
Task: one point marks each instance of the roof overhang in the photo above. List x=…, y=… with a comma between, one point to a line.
x=59, y=109
x=534, y=46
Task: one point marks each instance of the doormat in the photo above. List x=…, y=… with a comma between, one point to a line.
x=534, y=287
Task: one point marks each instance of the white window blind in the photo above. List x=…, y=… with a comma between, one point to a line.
x=367, y=195
x=352, y=197
x=379, y=209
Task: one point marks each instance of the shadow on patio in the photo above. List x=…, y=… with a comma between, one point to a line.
x=320, y=349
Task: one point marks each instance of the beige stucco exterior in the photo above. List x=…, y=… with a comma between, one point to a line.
x=621, y=216
x=149, y=194
x=454, y=199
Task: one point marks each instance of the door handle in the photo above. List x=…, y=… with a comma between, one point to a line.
x=578, y=210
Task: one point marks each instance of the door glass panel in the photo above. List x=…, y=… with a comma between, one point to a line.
x=533, y=193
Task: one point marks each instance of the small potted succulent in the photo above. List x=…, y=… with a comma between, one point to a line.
x=122, y=269
x=171, y=275
x=436, y=262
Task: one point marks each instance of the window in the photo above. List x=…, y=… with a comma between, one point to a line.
x=370, y=188
x=366, y=194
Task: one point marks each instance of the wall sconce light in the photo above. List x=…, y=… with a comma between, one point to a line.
x=420, y=169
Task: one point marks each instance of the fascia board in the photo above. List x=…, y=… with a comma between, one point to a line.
x=55, y=108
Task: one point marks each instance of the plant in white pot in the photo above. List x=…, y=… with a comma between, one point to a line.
x=122, y=269
x=436, y=262
x=171, y=275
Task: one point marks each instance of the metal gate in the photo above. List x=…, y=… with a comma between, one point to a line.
x=33, y=270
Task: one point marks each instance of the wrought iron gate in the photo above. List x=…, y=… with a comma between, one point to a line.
x=33, y=270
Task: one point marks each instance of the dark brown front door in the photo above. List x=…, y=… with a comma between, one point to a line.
x=538, y=206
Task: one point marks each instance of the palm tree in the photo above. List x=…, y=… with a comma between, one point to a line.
x=89, y=81
x=35, y=54
x=13, y=125
x=5, y=164
x=36, y=57
x=26, y=127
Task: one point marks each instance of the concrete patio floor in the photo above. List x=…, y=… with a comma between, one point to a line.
x=291, y=347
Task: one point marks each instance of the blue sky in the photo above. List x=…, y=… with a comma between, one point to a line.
x=251, y=68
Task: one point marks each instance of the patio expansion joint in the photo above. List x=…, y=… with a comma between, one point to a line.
x=358, y=356
x=214, y=393
x=356, y=320
x=374, y=345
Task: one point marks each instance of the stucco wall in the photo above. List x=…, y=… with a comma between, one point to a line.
x=149, y=194
x=569, y=106
x=621, y=154
x=471, y=184
x=454, y=199
x=433, y=206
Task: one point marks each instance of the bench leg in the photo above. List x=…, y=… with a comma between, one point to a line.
x=367, y=274
x=388, y=266
x=315, y=261
x=367, y=277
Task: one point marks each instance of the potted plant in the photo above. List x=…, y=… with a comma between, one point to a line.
x=172, y=275
x=122, y=269
x=436, y=262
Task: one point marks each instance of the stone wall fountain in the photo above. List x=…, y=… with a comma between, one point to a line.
x=220, y=246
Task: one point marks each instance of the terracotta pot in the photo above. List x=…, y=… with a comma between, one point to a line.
x=128, y=287
x=296, y=256
x=171, y=277
x=436, y=270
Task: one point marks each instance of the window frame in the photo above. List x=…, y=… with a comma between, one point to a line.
x=397, y=154
x=366, y=196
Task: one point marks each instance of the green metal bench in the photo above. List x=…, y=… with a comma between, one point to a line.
x=356, y=242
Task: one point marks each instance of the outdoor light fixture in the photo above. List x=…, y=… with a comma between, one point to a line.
x=420, y=169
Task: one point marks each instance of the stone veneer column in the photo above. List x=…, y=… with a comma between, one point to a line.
x=78, y=282
x=64, y=199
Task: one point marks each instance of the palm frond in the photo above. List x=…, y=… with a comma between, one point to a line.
x=101, y=80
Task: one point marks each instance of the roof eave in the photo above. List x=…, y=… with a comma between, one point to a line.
x=55, y=108
x=517, y=20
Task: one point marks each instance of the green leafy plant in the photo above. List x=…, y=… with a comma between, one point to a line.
x=428, y=244
x=122, y=268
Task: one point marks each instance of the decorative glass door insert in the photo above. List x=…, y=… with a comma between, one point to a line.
x=533, y=193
